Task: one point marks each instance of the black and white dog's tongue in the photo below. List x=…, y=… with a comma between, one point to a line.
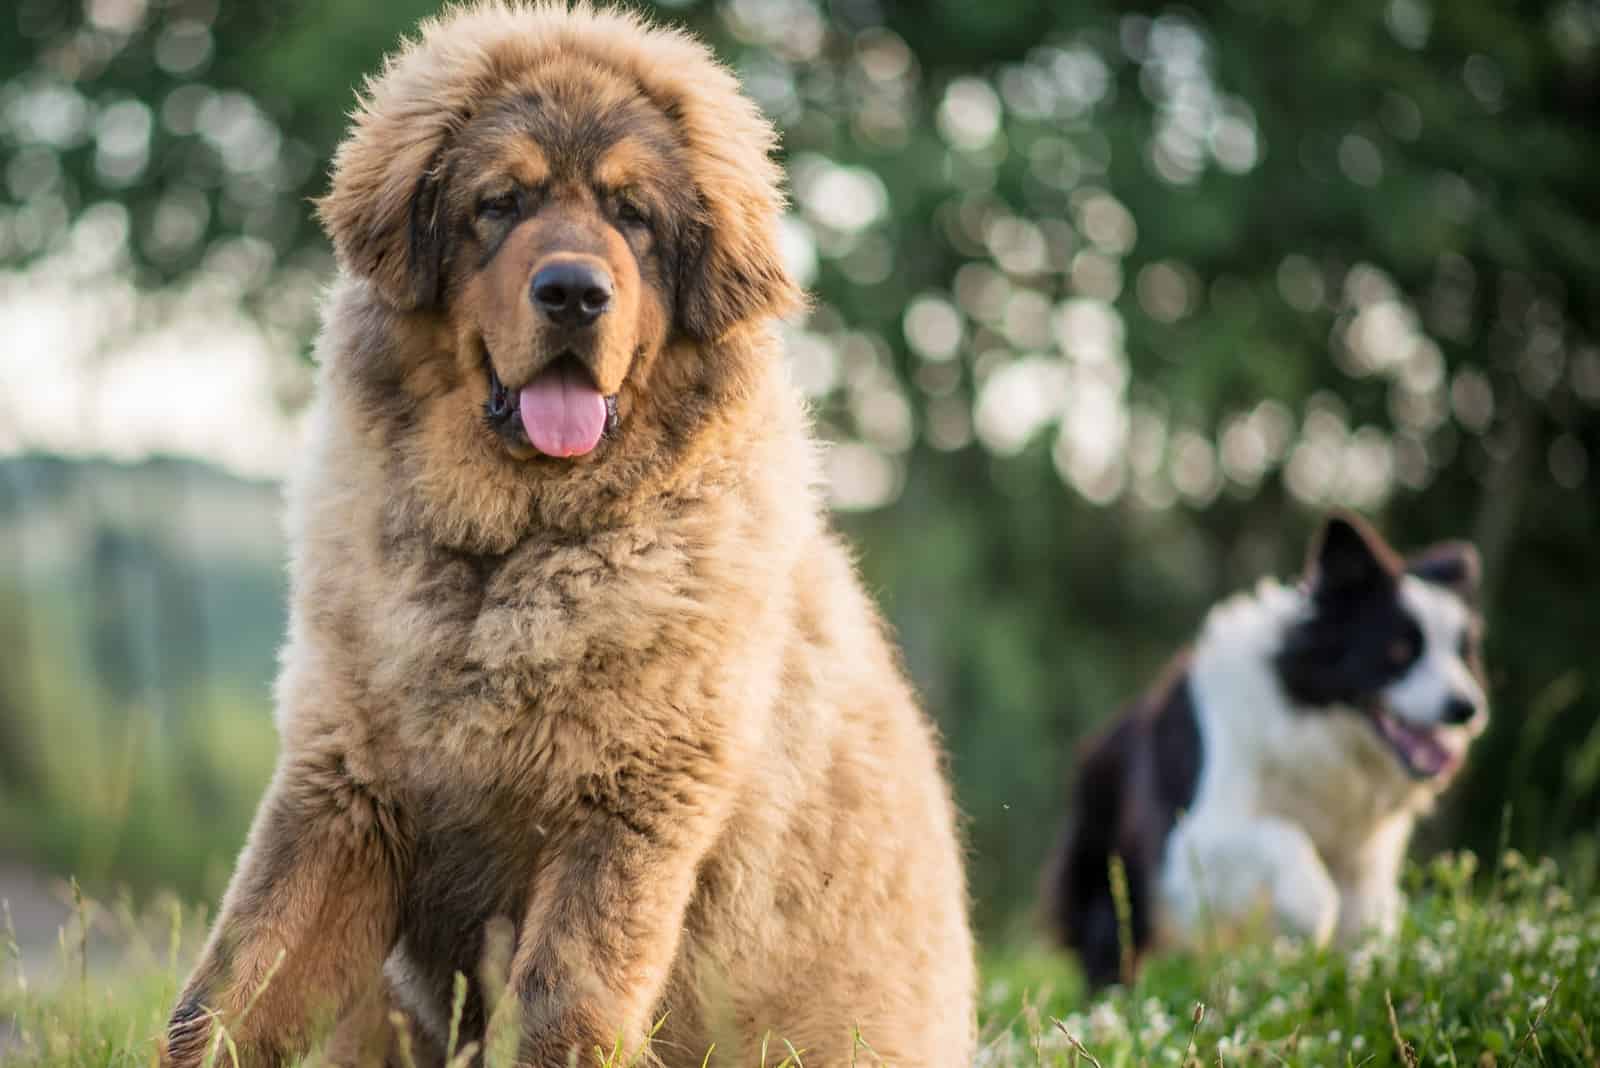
x=1418, y=746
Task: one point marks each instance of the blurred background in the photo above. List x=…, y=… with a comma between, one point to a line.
x=1113, y=302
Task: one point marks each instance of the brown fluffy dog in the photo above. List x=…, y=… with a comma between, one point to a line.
x=571, y=644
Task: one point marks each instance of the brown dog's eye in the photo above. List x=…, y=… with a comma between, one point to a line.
x=629, y=212
x=499, y=206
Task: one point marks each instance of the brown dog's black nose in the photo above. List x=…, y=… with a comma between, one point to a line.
x=572, y=293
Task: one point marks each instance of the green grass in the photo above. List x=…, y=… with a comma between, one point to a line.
x=1500, y=968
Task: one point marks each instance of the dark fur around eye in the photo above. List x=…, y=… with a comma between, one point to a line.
x=498, y=206
x=1343, y=653
x=1405, y=647
x=630, y=213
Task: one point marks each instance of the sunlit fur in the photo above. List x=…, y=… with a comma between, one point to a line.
x=635, y=703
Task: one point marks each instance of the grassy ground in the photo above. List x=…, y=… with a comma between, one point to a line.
x=1496, y=968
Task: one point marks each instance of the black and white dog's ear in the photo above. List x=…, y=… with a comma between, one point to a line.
x=1454, y=565
x=1348, y=556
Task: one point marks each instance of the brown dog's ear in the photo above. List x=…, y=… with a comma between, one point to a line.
x=383, y=210
x=383, y=217
x=733, y=272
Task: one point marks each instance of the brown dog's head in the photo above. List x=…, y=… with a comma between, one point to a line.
x=556, y=198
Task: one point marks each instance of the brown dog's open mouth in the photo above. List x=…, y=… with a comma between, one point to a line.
x=559, y=413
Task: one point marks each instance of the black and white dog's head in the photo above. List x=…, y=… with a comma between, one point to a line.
x=1393, y=641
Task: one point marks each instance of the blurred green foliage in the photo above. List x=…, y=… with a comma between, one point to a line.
x=135, y=731
x=1113, y=300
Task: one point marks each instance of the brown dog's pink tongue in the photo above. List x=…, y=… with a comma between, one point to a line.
x=562, y=413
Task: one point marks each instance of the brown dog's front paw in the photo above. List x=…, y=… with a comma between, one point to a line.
x=184, y=1044
x=555, y=1054
x=566, y=1042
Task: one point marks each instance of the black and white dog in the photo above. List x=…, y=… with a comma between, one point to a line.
x=1283, y=761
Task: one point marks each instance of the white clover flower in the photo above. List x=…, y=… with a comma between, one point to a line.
x=1429, y=957
x=1155, y=1030
x=1529, y=936
x=1106, y=1023
x=1051, y=1039
x=1075, y=1024
x=1361, y=962
x=997, y=1053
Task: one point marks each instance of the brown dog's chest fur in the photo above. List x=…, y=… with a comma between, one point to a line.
x=539, y=700
x=509, y=697
x=556, y=649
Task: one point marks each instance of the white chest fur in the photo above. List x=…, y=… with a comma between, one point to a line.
x=1300, y=810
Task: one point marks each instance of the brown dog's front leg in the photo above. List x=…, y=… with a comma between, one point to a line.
x=305, y=926
x=601, y=935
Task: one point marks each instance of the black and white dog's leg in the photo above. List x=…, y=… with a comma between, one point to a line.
x=1219, y=868
x=1370, y=901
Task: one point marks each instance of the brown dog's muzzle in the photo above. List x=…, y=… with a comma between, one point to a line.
x=559, y=313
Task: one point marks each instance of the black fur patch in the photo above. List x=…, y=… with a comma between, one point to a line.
x=1359, y=637
x=1134, y=781
x=425, y=238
